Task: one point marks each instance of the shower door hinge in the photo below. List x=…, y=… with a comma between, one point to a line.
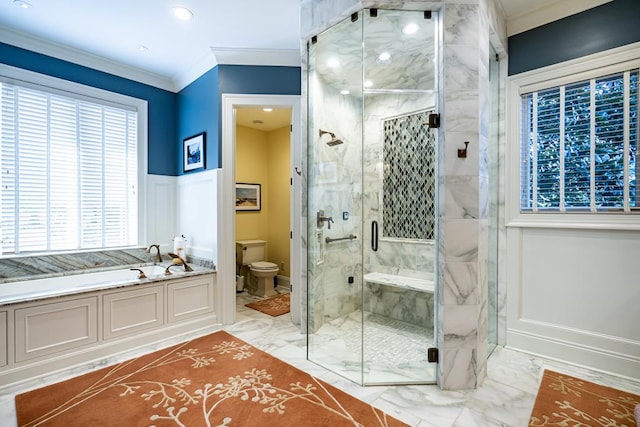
x=434, y=120
x=432, y=355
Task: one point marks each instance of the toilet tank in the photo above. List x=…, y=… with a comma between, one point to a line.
x=248, y=251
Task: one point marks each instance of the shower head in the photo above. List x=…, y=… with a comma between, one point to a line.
x=333, y=141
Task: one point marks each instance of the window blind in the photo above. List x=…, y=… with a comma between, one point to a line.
x=579, y=146
x=69, y=172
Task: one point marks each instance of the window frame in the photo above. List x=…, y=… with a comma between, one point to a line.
x=19, y=76
x=580, y=69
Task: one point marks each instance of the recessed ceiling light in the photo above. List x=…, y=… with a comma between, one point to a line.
x=368, y=83
x=344, y=92
x=142, y=48
x=410, y=28
x=384, y=57
x=182, y=13
x=267, y=110
x=22, y=4
x=333, y=62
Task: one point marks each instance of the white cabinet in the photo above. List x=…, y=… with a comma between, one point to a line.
x=46, y=329
x=189, y=298
x=41, y=336
x=3, y=338
x=127, y=312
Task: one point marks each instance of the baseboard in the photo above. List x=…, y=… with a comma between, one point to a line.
x=597, y=359
x=283, y=281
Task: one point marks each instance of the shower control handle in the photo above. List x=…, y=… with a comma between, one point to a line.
x=321, y=219
x=374, y=236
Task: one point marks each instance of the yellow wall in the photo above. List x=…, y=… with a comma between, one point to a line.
x=279, y=193
x=251, y=168
x=263, y=158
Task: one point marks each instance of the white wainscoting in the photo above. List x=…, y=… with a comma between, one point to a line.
x=574, y=295
x=197, y=212
x=161, y=211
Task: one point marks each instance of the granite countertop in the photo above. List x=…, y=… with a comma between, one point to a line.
x=76, y=282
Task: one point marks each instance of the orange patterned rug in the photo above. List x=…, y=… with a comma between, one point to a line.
x=568, y=401
x=274, y=306
x=215, y=380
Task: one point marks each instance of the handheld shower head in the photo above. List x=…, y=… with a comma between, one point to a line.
x=333, y=141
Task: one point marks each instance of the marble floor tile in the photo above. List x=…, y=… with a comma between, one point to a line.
x=515, y=369
x=505, y=398
x=508, y=405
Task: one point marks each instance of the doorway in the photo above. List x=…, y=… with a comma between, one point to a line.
x=226, y=282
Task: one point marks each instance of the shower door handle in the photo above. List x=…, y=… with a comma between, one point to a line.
x=374, y=236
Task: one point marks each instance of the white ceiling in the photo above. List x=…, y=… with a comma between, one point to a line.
x=113, y=29
x=106, y=34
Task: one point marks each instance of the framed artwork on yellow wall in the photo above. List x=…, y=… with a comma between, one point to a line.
x=247, y=197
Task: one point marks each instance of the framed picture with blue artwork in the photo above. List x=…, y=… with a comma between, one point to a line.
x=193, y=151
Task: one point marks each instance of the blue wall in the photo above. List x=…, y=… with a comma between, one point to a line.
x=198, y=110
x=172, y=117
x=200, y=103
x=610, y=25
x=162, y=104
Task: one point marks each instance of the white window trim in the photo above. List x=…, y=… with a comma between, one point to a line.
x=584, y=68
x=29, y=78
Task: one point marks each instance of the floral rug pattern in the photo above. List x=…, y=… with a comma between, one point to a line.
x=564, y=400
x=216, y=380
x=274, y=306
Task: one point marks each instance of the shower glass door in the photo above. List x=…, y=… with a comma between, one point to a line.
x=372, y=197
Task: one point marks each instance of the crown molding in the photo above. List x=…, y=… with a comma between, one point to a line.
x=84, y=58
x=547, y=13
x=276, y=57
x=195, y=70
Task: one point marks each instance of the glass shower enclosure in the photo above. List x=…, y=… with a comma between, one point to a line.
x=371, y=185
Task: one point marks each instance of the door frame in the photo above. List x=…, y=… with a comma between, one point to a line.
x=226, y=288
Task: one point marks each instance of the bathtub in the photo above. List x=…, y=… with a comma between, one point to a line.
x=27, y=290
x=54, y=323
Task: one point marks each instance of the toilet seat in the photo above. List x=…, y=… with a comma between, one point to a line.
x=263, y=266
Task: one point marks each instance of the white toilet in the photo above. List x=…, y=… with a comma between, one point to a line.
x=250, y=264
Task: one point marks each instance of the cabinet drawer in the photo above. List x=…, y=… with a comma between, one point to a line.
x=126, y=312
x=189, y=298
x=50, y=328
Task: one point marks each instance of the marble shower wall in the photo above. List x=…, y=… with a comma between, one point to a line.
x=401, y=257
x=335, y=186
x=463, y=185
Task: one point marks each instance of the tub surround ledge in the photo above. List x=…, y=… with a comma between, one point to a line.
x=77, y=282
x=27, y=267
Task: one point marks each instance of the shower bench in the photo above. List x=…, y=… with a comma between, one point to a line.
x=421, y=285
